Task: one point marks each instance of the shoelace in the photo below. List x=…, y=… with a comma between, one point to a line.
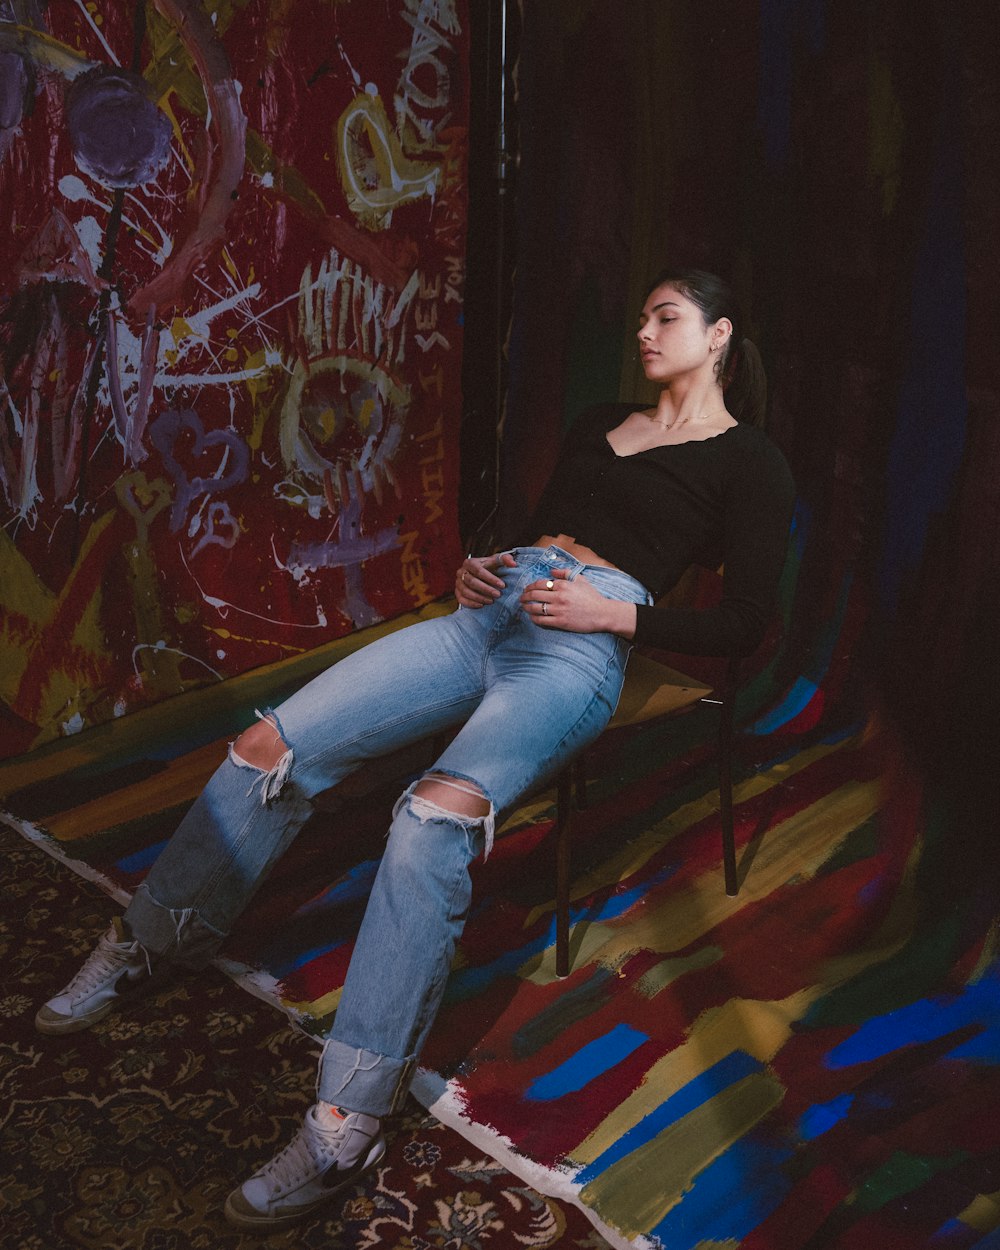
x=308, y=1150
x=103, y=959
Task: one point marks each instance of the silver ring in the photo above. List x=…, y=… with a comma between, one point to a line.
x=550, y=584
x=465, y=580
x=545, y=609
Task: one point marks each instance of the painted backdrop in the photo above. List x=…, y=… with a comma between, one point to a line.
x=231, y=273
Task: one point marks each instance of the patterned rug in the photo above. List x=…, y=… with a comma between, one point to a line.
x=129, y=1136
x=810, y=1065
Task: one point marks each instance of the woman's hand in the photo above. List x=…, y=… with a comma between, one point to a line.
x=476, y=584
x=557, y=602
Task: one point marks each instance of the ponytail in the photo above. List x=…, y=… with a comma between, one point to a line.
x=744, y=382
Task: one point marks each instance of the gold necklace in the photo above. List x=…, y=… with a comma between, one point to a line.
x=699, y=420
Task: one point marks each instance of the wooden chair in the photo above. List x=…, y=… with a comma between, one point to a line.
x=651, y=690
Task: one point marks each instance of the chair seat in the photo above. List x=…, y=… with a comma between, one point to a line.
x=653, y=689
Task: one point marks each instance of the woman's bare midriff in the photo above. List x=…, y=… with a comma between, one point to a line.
x=584, y=554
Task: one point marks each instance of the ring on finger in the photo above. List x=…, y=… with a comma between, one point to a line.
x=545, y=609
x=550, y=584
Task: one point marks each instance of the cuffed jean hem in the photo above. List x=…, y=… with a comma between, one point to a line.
x=177, y=934
x=361, y=1080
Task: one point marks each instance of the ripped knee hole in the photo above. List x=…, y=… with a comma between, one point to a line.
x=260, y=746
x=460, y=797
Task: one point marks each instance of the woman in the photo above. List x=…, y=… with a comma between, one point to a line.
x=530, y=666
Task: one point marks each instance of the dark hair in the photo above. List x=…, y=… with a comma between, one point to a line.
x=739, y=369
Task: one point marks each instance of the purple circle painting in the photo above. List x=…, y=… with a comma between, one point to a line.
x=13, y=89
x=119, y=136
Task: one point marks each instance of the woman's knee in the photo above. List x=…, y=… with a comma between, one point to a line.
x=464, y=799
x=261, y=746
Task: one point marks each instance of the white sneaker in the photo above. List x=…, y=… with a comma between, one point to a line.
x=115, y=967
x=327, y=1153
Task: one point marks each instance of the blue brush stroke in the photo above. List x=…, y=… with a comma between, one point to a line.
x=927, y=448
x=590, y=1061
x=730, y=1198
x=795, y=702
x=354, y=885
x=282, y=968
x=805, y=687
x=469, y=982
x=142, y=860
x=778, y=33
x=735, y=1067
x=821, y=1118
x=928, y=1020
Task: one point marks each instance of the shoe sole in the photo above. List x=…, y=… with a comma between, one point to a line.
x=255, y=1221
x=53, y=1024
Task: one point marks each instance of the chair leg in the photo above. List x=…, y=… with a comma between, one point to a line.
x=564, y=820
x=579, y=767
x=727, y=726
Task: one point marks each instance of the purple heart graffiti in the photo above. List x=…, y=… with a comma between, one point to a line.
x=177, y=435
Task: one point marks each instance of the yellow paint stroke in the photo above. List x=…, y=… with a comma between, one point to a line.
x=760, y=1028
x=255, y=639
x=793, y=850
x=146, y=728
x=983, y=1213
x=667, y=971
x=230, y=264
x=30, y=609
x=988, y=955
x=44, y=50
x=633, y=856
x=885, y=133
x=180, y=781
x=624, y=1195
x=318, y=1008
x=167, y=108
x=144, y=500
x=376, y=174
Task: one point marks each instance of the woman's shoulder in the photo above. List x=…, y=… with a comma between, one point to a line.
x=769, y=470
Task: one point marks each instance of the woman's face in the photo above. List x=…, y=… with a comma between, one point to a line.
x=673, y=337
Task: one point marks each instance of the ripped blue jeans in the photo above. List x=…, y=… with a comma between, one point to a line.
x=527, y=699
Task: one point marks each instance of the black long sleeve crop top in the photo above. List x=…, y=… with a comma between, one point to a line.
x=723, y=500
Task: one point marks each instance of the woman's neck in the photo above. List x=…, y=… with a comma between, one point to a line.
x=699, y=405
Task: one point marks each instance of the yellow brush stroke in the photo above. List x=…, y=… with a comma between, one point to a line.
x=759, y=1028
x=165, y=106
x=146, y=728
x=885, y=133
x=27, y=596
x=624, y=1195
x=230, y=264
x=988, y=955
x=318, y=1007
x=983, y=1213
x=46, y=51
x=633, y=857
x=366, y=138
x=182, y=780
x=667, y=971
x=795, y=849
x=264, y=642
